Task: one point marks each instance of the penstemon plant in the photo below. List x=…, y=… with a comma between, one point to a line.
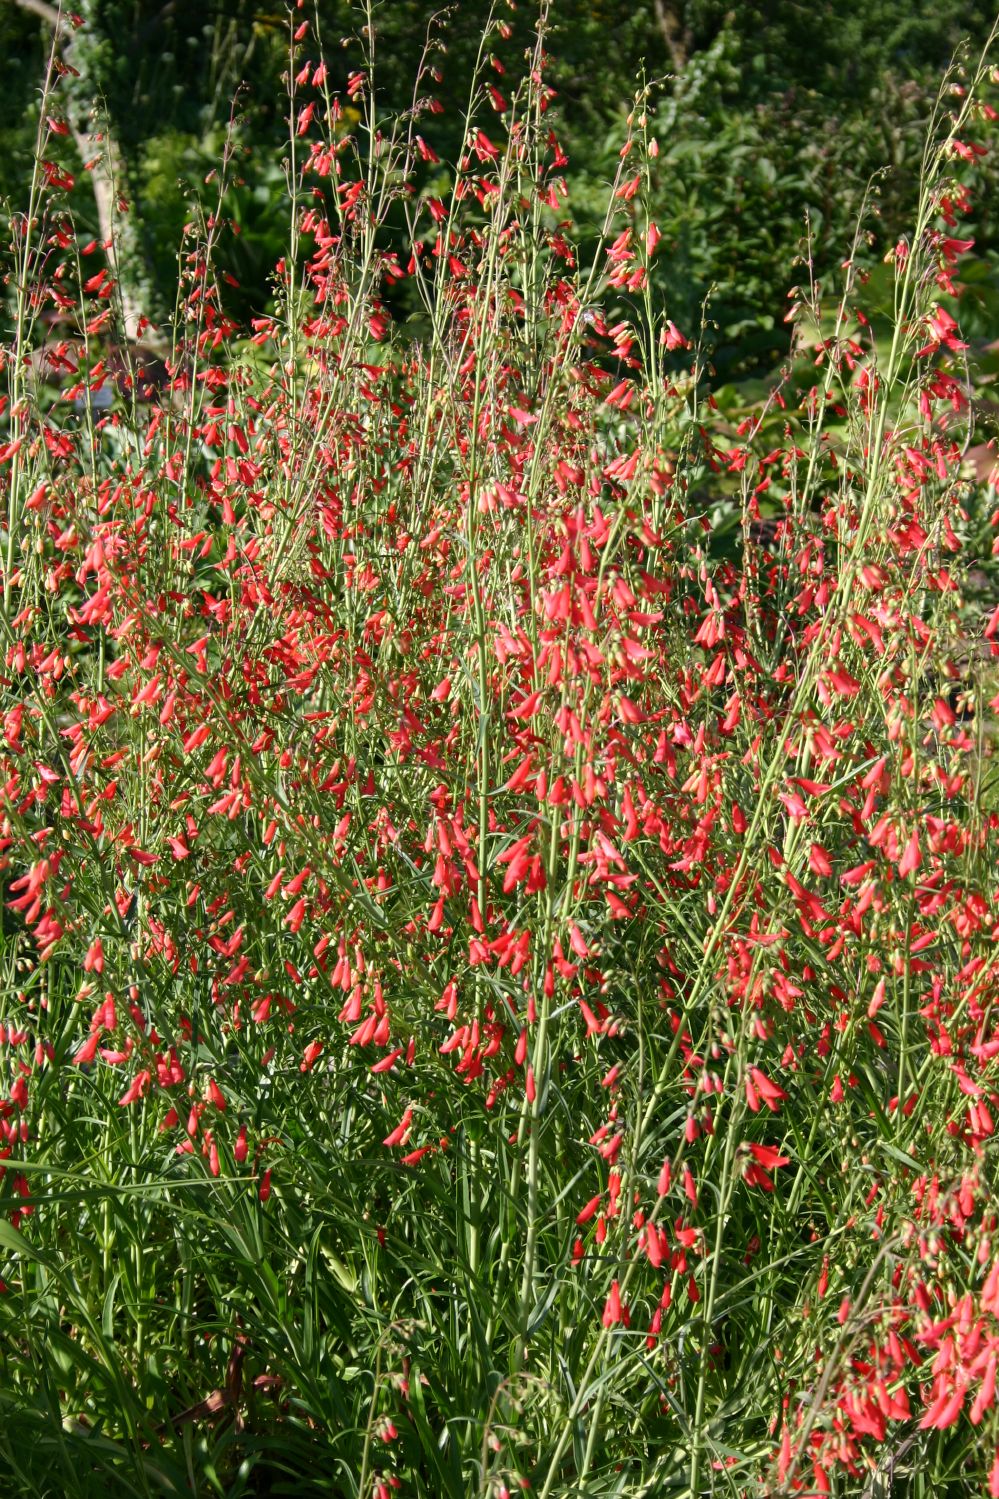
x=498, y=988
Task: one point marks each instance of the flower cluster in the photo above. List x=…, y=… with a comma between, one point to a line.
x=395, y=753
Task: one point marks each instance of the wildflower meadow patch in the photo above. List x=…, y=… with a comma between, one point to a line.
x=500, y=971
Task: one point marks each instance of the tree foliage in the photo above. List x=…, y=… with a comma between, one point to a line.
x=775, y=120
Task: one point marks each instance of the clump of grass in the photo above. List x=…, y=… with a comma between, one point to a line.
x=498, y=992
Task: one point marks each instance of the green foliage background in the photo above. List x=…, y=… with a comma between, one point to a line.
x=770, y=115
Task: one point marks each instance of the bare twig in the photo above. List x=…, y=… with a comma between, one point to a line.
x=677, y=36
